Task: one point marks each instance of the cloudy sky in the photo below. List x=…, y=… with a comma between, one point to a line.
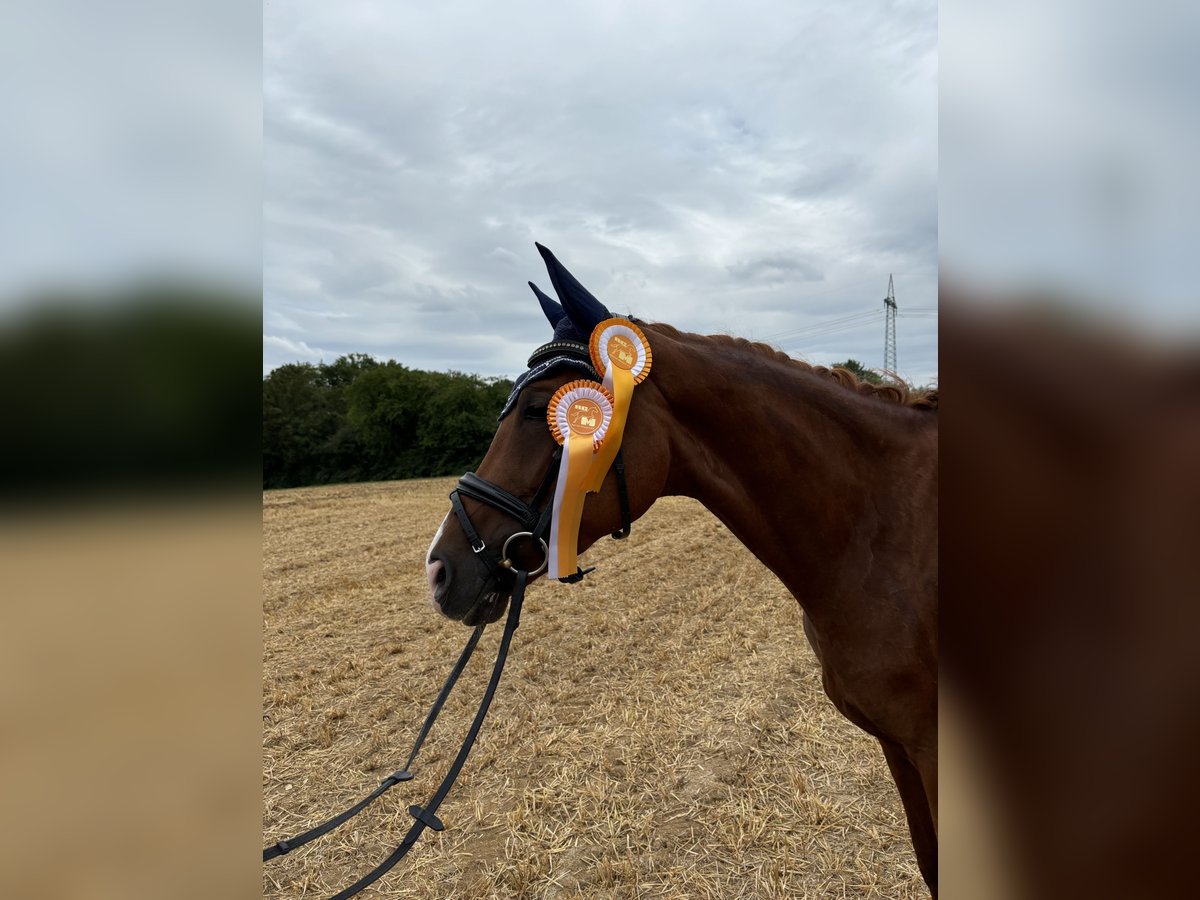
x=753, y=168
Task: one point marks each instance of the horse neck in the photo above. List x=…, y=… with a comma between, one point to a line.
x=807, y=473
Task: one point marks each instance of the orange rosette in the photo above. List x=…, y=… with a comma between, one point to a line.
x=620, y=344
x=620, y=351
x=583, y=408
x=579, y=416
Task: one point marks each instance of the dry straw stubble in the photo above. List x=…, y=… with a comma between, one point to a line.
x=660, y=731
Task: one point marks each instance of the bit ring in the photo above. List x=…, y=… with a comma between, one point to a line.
x=508, y=563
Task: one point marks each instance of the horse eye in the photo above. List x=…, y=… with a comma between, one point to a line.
x=535, y=412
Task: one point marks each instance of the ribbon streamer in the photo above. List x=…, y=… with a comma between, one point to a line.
x=622, y=353
x=579, y=415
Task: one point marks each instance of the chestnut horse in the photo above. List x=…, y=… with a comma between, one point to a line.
x=831, y=483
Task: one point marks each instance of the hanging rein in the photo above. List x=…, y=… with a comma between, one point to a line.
x=534, y=521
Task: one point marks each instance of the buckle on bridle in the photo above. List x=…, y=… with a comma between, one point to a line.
x=507, y=563
x=480, y=548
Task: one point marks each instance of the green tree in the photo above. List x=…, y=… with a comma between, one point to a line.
x=342, y=372
x=864, y=374
x=358, y=419
x=386, y=404
x=460, y=419
x=299, y=419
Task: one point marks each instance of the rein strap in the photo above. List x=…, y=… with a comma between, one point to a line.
x=426, y=816
x=403, y=774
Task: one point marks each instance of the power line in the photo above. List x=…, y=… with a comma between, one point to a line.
x=836, y=329
x=806, y=342
x=855, y=320
x=851, y=318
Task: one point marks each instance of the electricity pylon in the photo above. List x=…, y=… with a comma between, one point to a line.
x=889, y=330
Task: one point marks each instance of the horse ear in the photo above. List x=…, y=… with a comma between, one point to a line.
x=554, y=312
x=584, y=310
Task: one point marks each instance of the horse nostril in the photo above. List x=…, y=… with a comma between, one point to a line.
x=438, y=575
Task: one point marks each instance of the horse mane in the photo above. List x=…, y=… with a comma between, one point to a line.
x=891, y=392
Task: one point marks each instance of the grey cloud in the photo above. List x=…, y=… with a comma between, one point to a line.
x=775, y=270
x=505, y=256
x=829, y=177
x=723, y=169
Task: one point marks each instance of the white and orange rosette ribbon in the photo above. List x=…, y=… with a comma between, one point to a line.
x=620, y=350
x=580, y=415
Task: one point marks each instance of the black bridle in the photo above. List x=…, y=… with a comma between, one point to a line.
x=533, y=519
x=534, y=523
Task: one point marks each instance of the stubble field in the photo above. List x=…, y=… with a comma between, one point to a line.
x=660, y=730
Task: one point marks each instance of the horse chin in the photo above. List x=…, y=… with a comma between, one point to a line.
x=490, y=608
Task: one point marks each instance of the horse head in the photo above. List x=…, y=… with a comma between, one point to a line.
x=467, y=579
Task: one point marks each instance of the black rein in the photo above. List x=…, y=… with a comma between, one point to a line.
x=536, y=524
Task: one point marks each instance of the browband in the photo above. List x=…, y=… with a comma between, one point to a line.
x=547, y=357
x=560, y=348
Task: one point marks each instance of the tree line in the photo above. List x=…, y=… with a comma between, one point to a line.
x=358, y=419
